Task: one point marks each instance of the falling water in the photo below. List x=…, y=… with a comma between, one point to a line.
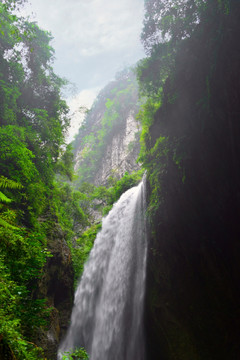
x=108, y=310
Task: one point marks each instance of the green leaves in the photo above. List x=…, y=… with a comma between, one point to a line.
x=82, y=248
x=169, y=21
x=4, y=198
x=14, y=154
x=34, y=120
x=10, y=184
x=7, y=215
x=21, y=261
x=78, y=354
x=64, y=165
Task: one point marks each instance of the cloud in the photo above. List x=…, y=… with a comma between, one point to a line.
x=93, y=39
x=86, y=29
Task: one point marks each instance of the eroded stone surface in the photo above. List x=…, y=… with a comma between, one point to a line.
x=121, y=154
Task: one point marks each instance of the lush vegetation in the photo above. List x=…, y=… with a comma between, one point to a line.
x=36, y=168
x=189, y=83
x=33, y=120
x=79, y=354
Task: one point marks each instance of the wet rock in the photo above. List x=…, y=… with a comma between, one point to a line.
x=56, y=286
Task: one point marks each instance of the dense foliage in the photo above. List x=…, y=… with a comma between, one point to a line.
x=33, y=121
x=190, y=149
x=36, y=196
x=79, y=354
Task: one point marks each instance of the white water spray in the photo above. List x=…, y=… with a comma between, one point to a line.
x=107, y=317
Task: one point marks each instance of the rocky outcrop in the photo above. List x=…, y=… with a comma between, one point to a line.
x=121, y=153
x=108, y=142
x=56, y=286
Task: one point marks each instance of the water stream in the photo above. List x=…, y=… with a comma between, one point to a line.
x=107, y=317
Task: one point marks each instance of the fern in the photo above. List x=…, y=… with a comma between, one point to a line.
x=9, y=184
x=6, y=224
x=4, y=198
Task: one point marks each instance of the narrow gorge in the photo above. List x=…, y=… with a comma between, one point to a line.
x=154, y=263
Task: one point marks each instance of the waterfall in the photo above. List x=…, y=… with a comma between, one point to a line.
x=107, y=317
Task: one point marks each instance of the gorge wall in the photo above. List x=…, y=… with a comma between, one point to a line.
x=121, y=153
x=108, y=142
x=192, y=305
x=56, y=286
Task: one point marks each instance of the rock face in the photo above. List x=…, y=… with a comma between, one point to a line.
x=193, y=265
x=121, y=153
x=56, y=286
x=108, y=142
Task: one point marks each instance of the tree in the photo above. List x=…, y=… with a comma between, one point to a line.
x=169, y=20
x=4, y=213
x=33, y=122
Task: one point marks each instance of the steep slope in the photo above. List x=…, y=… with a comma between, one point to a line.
x=192, y=157
x=108, y=142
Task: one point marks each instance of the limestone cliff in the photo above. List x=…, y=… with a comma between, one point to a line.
x=108, y=142
x=121, y=152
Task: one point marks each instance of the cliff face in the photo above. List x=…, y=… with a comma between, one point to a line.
x=56, y=286
x=108, y=142
x=193, y=269
x=121, y=152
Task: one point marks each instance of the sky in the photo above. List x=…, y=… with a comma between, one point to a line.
x=93, y=39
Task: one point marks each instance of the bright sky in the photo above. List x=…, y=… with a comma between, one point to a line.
x=93, y=39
